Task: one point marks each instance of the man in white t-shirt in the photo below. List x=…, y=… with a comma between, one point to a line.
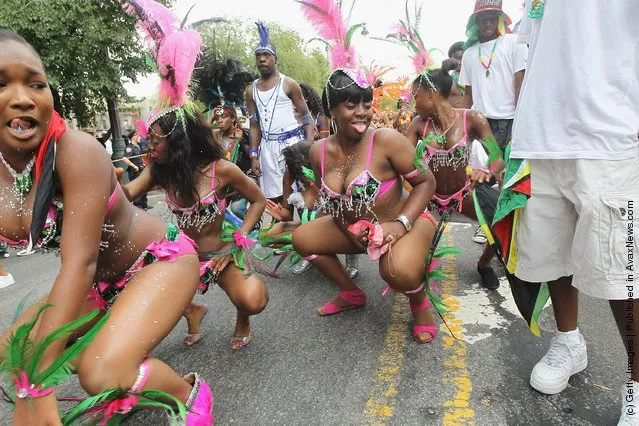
x=576, y=125
x=493, y=68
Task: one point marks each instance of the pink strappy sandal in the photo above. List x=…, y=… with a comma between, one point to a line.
x=356, y=298
x=419, y=328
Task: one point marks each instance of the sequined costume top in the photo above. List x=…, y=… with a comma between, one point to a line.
x=456, y=156
x=361, y=192
x=202, y=212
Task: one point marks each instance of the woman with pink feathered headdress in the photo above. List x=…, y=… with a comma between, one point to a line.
x=191, y=168
x=443, y=137
x=358, y=172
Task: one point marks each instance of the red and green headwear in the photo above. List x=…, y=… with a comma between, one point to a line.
x=472, y=32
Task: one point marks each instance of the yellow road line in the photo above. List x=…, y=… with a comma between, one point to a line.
x=381, y=403
x=457, y=409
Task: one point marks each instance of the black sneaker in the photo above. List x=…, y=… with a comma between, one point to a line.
x=489, y=279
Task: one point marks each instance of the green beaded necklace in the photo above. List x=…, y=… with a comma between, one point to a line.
x=22, y=181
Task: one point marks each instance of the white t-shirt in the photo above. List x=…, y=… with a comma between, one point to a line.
x=580, y=97
x=494, y=96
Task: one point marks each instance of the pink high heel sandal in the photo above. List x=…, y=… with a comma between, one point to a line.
x=199, y=405
x=356, y=298
x=419, y=328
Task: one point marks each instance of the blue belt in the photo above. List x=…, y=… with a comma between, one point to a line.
x=283, y=137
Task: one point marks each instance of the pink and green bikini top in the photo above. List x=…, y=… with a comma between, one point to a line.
x=202, y=212
x=360, y=192
x=455, y=156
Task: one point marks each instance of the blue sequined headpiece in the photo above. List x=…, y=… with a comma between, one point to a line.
x=265, y=43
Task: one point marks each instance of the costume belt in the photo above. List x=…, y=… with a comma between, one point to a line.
x=283, y=137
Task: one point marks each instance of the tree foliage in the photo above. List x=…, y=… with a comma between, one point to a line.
x=87, y=47
x=235, y=39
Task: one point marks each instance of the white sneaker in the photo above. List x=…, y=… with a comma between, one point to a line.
x=479, y=236
x=302, y=267
x=351, y=265
x=6, y=280
x=563, y=359
x=629, y=404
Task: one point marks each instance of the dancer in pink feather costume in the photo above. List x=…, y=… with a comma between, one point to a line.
x=358, y=172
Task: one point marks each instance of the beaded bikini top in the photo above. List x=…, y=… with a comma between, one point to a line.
x=52, y=230
x=456, y=156
x=361, y=192
x=199, y=214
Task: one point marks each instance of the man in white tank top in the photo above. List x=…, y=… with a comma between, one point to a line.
x=272, y=101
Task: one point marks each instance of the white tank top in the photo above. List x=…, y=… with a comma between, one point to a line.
x=275, y=110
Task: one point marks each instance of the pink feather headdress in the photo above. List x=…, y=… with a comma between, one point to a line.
x=406, y=32
x=173, y=51
x=326, y=17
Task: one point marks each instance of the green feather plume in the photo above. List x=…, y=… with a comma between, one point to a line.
x=19, y=348
x=285, y=242
x=446, y=251
x=349, y=34
x=23, y=354
x=151, y=64
x=92, y=407
x=494, y=151
x=58, y=334
x=309, y=174
x=61, y=369
x=418, y=162
x=438, y=275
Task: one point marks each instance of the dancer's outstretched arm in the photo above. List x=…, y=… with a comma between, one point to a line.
x=479, y=129
x=140, y=185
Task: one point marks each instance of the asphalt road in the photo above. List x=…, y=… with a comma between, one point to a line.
x=362, y=367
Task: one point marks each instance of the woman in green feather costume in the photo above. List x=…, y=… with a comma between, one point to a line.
x=443, y=138
x=192, y=169
x=104, y=239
